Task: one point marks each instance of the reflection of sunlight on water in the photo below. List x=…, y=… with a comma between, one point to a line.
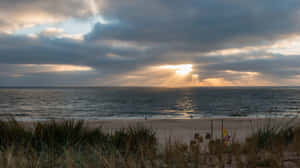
x=185, y=106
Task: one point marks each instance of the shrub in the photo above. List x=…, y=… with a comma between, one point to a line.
x=133, y=139
x=270, y=136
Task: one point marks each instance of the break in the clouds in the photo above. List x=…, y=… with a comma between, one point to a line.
x=149, y=43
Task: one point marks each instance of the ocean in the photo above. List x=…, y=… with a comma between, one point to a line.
x=101, y=103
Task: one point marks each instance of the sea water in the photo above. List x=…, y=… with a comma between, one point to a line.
x=99, y=103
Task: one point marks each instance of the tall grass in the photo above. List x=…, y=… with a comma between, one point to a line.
x=270, y=135
x=70, y=133
x=71, y=144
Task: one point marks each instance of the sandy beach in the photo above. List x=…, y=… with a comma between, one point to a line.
x=184, y=129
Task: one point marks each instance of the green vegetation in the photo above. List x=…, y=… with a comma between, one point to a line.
x=71, y=144
x=272, y=135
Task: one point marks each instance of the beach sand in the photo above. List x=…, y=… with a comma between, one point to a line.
x=184, y=129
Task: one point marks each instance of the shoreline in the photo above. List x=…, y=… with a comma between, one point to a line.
x=87, y=119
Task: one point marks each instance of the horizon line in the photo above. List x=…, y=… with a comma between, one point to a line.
x=148, y=86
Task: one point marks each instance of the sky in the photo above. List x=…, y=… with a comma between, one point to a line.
x=163, y=43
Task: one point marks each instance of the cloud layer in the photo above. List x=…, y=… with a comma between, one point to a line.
x=228, y=43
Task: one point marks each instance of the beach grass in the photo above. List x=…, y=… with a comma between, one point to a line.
x=71, y=143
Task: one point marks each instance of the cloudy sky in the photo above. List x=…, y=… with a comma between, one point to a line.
x=171, y=43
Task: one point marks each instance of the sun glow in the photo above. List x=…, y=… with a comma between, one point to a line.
x=182, y=69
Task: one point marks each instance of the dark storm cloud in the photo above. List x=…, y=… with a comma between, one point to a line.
x=24, y=50
x=49, y=79
x=203, y=25
x=280, y=66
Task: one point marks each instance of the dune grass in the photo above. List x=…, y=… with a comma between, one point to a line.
x=71, y=144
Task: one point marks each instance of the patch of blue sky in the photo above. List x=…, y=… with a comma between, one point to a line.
x=32, y=30
x=70, y=26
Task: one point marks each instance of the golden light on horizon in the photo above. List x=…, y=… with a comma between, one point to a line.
x=186, y=75
x=249, y=74
x=182, y=69
x=57, y=67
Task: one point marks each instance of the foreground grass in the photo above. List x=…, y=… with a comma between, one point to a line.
x=71, y=144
